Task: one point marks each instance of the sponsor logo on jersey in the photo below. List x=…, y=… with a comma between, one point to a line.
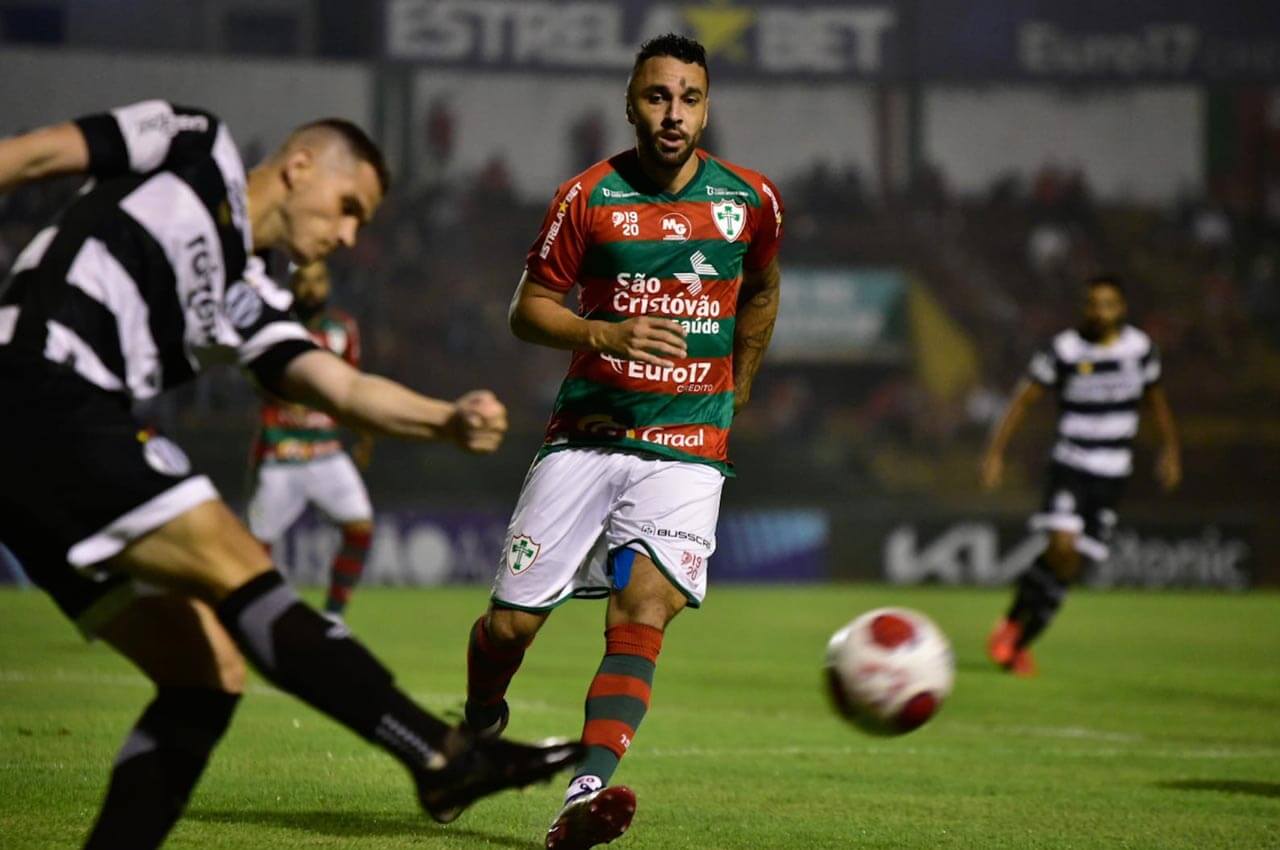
x=628, y=220
x=777, y=208
x=716, y=191
x=691, y=377
x=612, y=193
x=666, y=304
x=693, y=280
x=521, y=554
x=730, y=217
x=243, y=304
x=171, y=125
x=201, y=304
x=561, y=211
x=675, y=228
x=661, y=437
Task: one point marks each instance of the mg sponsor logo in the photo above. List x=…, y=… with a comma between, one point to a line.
x=675, y=228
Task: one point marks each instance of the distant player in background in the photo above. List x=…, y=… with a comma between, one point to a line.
x=1101, y=372
x=298, y=458
x=675, y=253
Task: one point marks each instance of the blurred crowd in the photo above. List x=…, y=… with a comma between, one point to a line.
x=431, y=279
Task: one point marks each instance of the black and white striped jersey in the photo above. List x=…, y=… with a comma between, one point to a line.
x=147, y=276
x=1099, y=389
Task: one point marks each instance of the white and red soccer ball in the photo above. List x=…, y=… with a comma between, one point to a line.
x=889, y=670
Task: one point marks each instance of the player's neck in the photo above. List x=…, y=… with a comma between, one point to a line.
x=264, y=194
x=668, y=180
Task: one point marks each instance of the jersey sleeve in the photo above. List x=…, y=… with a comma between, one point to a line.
x=766, y=237
x=1043, y=368
x=145, y=136
x=1152, y=368
x=556, y=255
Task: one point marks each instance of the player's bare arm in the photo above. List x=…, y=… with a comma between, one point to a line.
x=1025, y=397
x=47, y=152
x=757, y=312
x=538, y=314
x=1169, y=461
x=477, y=421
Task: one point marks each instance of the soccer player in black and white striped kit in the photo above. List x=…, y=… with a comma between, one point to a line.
x=148, y=277
x=1102, y=373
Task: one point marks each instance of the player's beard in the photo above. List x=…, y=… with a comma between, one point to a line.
x=652, y=145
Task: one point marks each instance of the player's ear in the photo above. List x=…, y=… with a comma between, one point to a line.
x=298, y=165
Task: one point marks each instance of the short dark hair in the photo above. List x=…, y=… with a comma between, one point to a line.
x=358, y=142
x=1111, y=280
x=677, y=47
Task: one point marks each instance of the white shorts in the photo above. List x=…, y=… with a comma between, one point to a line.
x=284, y=490
x=579, y=507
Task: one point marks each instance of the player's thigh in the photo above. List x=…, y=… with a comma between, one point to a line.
x=177, y=641
x=336, y=488
x=279, y=498
x=555, y=536
x=668, y=513
x=205, y=552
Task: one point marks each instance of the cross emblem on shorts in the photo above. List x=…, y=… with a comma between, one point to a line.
x=522, y=554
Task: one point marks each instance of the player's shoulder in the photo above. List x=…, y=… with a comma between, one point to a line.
x=1134, y=342
x=336, y=317
x=761, y=188
x=588, y=182
x=1067, y=345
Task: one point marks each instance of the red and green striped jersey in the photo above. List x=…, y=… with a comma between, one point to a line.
x=294, y=433
x=636, y=251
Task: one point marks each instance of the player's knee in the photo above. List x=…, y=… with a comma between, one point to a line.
x=1062, y=555
x=358, y=527
x=511, y=629
x=231, y=672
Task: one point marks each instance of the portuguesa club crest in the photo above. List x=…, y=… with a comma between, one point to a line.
x=730, y=217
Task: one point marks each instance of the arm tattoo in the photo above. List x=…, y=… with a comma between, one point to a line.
x=757, y=311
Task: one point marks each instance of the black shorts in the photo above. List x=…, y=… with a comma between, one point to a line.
x=1083, y=504
x=80, y=478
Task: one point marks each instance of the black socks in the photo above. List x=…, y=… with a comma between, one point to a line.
x=1039, y=596
x=159, y=765
x=317, y=661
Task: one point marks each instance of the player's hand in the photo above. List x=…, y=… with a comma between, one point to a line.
x=1169, y=468
x=479, y=422
x=992, y=472
x=647, y=339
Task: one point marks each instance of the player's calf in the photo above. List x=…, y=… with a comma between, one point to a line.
x=159, y=765
x=495, y=651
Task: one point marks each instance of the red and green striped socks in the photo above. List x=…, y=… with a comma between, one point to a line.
x=348, y=566
x=616, y=702
x=489, y=673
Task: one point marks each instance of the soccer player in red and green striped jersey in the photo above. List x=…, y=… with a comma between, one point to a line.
x=674, y=254
x=298, y=458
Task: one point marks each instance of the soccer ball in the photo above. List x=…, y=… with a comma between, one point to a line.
x=889, y=670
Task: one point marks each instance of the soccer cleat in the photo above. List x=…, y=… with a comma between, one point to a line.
x=1022, y=664
x=487, y=721
x=1002, y=644
x=477, y=767
x=590, y=820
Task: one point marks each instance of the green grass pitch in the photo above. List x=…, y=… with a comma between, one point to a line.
x=1155, y=723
